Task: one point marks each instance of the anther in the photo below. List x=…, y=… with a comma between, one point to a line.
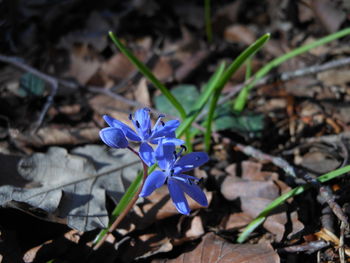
x=162, y=122
x=200, y=181
x=184, y=147
x=175, y=154
x=172, y=172
x=130, y=116
x=138, y=124
x=189, y=181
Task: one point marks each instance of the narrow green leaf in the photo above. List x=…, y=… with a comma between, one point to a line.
x=243, y=95
x=202, y=100
x=280, y=200
x=148, y=74
x=235, y=65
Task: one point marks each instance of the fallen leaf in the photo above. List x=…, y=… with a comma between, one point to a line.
x=215, y=249
x=84, y=63
x=57, y=135
x=239, y=34
x=159, y=206
x=74, y=185
x=255, y=190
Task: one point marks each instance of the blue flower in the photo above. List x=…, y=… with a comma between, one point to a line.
x=117, y=134
x=173, y=166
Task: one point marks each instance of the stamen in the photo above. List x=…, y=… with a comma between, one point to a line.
x=138, y=124
x=172, y=172
x=184, y=147
x=200, y=181
x=189, y=181
x=162, y=122
x=158, y=121
x=130, y=116
x=175, y=154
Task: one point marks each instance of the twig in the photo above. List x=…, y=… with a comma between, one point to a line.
x=51, y=80
x=287, y=76
x=310, y=247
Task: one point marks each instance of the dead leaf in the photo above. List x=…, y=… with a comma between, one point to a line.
x=70, y=185
x=84, y=63
x=328, y=14
x=215, y=249
x=255, y=190
x=239, y=34
x=57, y=135
x=159, y=206
x=119, y=67
x=52, y=248
x=141, y=93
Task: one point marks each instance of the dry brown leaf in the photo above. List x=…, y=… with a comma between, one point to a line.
x=119, y=67
x=52, y=248
x=239, y=34
x=84, y=63
x=330, y=15
x=58, y=135
x=159, y=206
x=163, y=70
x=257, y=189
x=237, y=220
x=141, y=93
x=102, y=104
x=215, y=249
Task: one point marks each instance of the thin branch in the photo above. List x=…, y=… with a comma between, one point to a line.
x=287, y=76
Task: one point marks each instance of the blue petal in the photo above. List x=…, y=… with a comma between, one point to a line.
x=143, y=118
x=178, y=197
x=153, y=181
x=190, y=161
x=147, y=154
x=174, y=141
x=125, y=128
x=114, y=137
x=164, y=154
x=193, y=191
x=167, y=130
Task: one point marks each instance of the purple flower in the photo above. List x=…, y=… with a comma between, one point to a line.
x=173, y=166
x=117, y=134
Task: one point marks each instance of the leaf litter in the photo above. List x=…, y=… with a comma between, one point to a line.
x=74, y=185
x=304, y=120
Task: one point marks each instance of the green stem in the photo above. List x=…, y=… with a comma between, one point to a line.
x=148, y=74
x=235, y=65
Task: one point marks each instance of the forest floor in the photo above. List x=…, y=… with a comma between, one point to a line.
x=60, y=73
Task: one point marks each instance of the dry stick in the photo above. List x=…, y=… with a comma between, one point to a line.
x=127, y=209
x=51, y=80
x=310, y=247
x=286, y=76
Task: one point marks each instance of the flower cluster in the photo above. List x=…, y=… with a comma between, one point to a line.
x=169, y=159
